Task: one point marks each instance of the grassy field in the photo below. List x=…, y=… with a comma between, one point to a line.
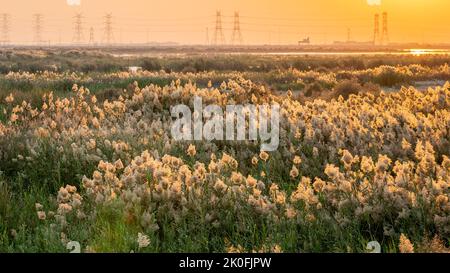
x=86, y=154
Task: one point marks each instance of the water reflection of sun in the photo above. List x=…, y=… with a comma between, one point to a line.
x=417, y=52
x=421, y=52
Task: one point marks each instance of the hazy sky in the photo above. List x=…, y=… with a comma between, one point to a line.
x=262, y=21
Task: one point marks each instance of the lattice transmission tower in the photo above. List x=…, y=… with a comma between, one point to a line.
x=219, y=38
x=38, y=20
x=91, y=36
x=237, y=34
x=4, y=28
x=78, y=36
x=376, y=30
x=385, y=32
x=207, y=41
x=108, y=29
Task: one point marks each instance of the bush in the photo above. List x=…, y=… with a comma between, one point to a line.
x=313, y=88
x=389, y=76
x=151, y=65
x=346, y=88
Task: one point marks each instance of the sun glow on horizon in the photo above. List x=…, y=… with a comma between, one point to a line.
x=262, y=22
x=374, y=2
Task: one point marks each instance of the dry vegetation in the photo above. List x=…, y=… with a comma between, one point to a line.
x=356, y=166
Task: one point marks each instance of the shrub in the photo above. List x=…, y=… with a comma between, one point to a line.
x=347, y=88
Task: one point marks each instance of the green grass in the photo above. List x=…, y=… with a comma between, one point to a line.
x=109, y=232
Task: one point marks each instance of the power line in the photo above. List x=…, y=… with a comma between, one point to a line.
x=302, y=19
x=166, y=19
x=293, y=25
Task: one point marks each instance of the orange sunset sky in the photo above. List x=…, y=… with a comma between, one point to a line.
x=262, y=21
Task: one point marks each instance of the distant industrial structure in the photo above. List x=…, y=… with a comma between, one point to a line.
x=215, y=36
x=379, y=39
x=304, y=41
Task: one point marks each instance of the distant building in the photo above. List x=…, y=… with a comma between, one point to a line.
x=305, y=41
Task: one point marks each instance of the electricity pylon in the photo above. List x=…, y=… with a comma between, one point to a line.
x=91, y=36
x=385, y=32
x=237, y=35
x=109, y=35
x=219, y=38
x=78, y=27
x=376, y=32
x=207, y=37
x=5, y=28
x=37, y=27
